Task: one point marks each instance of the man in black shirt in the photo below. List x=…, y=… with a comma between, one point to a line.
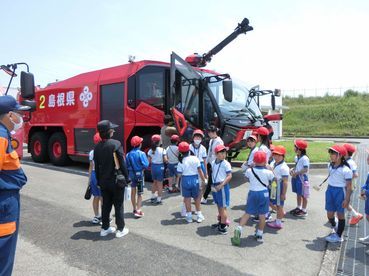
x=105, y=175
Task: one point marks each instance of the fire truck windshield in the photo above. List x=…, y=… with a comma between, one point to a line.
x=238, y=103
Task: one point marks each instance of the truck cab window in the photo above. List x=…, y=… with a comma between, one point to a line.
x=150, y=87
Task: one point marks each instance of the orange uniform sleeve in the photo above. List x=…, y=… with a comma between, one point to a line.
x=3, y=148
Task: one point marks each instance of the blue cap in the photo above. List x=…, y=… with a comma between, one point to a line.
x=8, y=103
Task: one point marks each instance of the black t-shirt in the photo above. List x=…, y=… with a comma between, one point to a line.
x=104, y=162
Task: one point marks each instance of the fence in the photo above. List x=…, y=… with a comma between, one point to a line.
x=321, y=92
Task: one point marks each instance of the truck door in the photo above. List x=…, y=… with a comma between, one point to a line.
x=112, y=107
x=185, y=97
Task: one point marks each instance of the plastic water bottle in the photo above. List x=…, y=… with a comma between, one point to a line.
x=127, y=193
x=306, y=187
x=273, y=190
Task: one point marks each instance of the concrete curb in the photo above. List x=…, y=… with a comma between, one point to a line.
x=330, y=260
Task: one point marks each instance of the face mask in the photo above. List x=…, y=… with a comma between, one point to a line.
x=197, y=141
x=18, y=125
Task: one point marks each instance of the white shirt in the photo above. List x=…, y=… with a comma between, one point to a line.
x=339, y=176
x=212, y=144
x=220, y=171
x=189, y=165
x=250, y=160
x=172, y=153
x=91, y=159
x=265, y=149
x=281, y=171
x=302, y=163
x=265, y=175
x=352, y=164
x=199, y=152
x=157, y=157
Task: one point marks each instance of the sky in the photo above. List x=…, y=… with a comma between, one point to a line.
x=295, y=44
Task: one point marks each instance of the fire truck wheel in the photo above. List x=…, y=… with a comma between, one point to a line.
x=58, y=149
x=38, y=147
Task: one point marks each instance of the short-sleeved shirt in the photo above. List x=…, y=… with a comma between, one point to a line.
x=211, y=151
x=172, y=153
x=352, y=164
x=91, y=159
x=281, y=171
x=250, y=159
x=136, y=160
x=157, y=156
x=265, y=149
x=199, y=152
x=339, y=175
x=165, y=139
x=220, y=170
x=302, y=163
x=189, y=166
x=266, y=176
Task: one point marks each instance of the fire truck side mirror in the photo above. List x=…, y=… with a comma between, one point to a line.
x=30, y=103
x=27, y=85
x=228, y=90
x=277, y=92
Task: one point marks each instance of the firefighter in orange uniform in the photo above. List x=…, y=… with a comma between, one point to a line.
x=12, y=178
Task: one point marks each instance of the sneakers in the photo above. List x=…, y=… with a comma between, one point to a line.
x=228, y=222
x=294, y=211
x=236, y=239
x=364, y=240
x=215, y=225
x=200, y=218
x=223, y=231
x=259, y=238
x=300, y=213
x=333, y=238
x=204, y=201
x=158, y=202
x=255, y=219
x=275, y=225
x=110, y=230
x=268, y=218
x=189, y=218
x=96, y=220
x=153, y=199
x=355, y=220
x=122, y=233
x=138, y=214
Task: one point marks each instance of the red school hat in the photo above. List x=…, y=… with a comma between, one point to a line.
x=262, y=131
x=260, y=157
x=341, y=150
x=219, y=148
x=155, y=138
x=350, y=147
x=300, y=144
x=280, y=150
x=183, y=147
x=97, y=138
x=136, y=141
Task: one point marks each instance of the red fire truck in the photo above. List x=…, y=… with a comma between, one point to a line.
x=136, y=96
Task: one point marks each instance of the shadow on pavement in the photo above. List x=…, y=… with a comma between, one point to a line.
x=319, y=244
x=91, y=236
x=205, y=231
x=85, y=223
x=249, y=241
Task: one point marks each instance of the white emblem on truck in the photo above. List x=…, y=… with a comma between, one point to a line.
x=86, y=96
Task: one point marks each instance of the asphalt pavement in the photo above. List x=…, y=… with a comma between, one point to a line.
x=57, y=238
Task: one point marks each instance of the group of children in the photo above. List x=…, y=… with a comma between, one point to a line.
x=197, y=171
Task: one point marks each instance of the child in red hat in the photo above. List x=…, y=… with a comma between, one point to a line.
x=257, y=203
x=300, y=178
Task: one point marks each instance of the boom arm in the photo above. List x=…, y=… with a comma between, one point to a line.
x=201, y=61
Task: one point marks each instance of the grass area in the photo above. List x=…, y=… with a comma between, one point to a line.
x=317, y=151
x=328, y=115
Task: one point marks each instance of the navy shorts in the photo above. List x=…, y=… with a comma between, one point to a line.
x=157, y=172
x=257, y=202
x=297, y=186
x=95, y=191
x=190, y=186
x=137, y=181
x=367, y=206
x=221, y=198
x=334, y=197
x=172, y=169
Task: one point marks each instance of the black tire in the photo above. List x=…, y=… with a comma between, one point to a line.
x=57, y=149
x=39, y=147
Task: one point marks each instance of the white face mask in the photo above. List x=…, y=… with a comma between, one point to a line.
x=19, y=124
x=197, y=141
